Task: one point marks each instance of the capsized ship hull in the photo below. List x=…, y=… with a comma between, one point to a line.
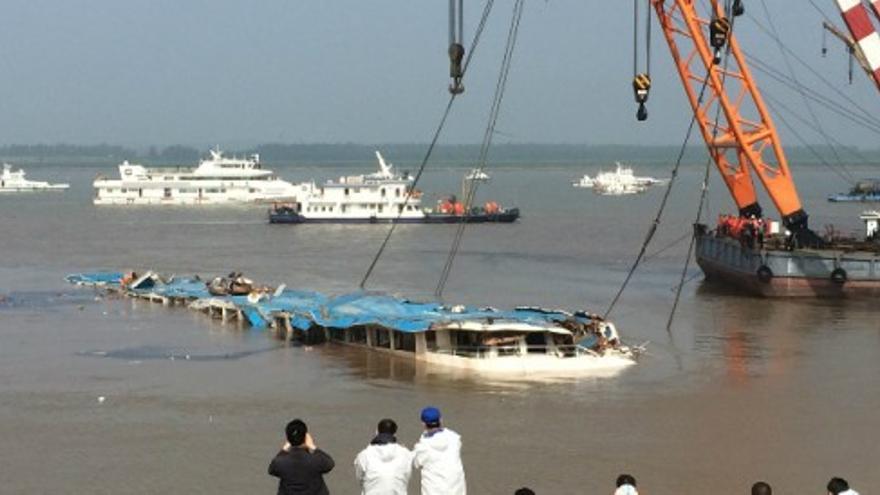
x=834, y=273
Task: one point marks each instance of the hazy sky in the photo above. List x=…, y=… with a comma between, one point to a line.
x=141, y=72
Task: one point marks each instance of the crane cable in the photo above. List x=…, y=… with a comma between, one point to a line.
x=704, y=191
x=641, y=81
x=500, y=87
x=806, y=101
x=656, y=223
x=412, y=188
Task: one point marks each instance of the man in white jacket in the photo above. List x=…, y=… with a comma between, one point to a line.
x=384, y=467
x=438, y=455
x=839, y=486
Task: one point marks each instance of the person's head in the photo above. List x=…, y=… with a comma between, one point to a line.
x=761, y=488
x=625, y=479
x=524, y=491
x=837, y=485
x=431, y=417
x=387, y=426
x=626, y=485
x=296, y=432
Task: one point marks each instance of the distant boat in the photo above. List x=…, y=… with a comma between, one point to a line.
x=620, y=182
x=217, y=179
x=384, y=196
x=478, y=175
x=14, y=181
x=865, y=190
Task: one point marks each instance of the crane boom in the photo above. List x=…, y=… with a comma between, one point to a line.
x=744, y=139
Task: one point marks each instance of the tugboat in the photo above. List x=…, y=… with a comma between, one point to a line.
x=384, y=196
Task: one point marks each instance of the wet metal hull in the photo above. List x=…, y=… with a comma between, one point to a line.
x=779, y=273
x=507, y=216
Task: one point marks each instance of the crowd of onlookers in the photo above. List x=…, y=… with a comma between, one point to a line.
x=384, y=466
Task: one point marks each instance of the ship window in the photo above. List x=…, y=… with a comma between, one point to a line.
x=223, y=190
x=331, y=208
x=357, y=190
x=399, y=207
x=168, y=177
x=123, y=190
x=343, y=208
x=397, y=192
x=380, y=208
x=252, y=190
x=346, y=191
x=383, y=192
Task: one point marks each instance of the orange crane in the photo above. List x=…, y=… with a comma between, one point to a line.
x=743, y=139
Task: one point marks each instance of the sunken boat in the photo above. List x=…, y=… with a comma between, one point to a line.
x=523, y=340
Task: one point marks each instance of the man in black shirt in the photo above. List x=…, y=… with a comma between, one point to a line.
x=300, y=466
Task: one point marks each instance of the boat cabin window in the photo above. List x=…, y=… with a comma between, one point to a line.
x=397, y=192
x=383, y=339
x=431, y=340
x=343, y=208
x=383, y=192
x=346, y=191
x=405, y=341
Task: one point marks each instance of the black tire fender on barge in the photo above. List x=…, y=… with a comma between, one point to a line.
x=838, y=276
x=765, y=274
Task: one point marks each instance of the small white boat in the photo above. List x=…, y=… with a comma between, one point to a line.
x=477, y=174
x=217, y=179
x=14, y=181
x=620, y=182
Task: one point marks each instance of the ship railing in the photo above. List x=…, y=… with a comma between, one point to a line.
x=494, y=351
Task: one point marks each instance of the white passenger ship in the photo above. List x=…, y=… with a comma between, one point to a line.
x=382, y=196
x=14, y=181
x=620, y=182
x=216, y=180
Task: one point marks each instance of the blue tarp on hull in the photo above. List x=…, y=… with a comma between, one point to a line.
x=308, y=309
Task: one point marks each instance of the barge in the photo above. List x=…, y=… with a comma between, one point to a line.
x=524, y=340
x=755, y=258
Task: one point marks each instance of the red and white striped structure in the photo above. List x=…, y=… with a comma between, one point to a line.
x=857, y=19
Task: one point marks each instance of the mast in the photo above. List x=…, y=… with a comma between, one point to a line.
x=745, y=139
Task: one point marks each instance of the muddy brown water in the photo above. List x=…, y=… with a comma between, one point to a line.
x=742, y=389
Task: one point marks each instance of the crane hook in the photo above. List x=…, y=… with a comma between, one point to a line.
x=641, y=87
x=456, y=56
x=719, y=30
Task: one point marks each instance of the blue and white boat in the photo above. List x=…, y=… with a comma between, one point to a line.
x=865, y=190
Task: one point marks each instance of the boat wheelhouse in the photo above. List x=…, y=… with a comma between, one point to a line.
x=217, y=179
x=14, y=181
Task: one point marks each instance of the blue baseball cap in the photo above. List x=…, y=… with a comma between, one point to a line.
x=430, y=415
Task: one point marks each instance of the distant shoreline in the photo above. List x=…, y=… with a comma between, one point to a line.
x=405, y=154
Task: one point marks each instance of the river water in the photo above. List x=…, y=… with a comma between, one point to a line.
x=741, y=389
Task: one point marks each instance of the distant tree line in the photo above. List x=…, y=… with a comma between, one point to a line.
x=407, y=155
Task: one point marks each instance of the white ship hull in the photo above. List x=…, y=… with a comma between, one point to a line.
x=217, y=180
x=14, y=181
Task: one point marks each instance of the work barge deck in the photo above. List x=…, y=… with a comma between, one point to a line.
x=525, y=339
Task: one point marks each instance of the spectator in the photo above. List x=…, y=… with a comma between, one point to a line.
x=300, y=466
x=761, y=488
x=839, y=486
x=438, y=455
x=384, y=466
x=626, y=485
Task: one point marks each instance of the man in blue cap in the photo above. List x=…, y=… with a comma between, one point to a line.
x=438, y=455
